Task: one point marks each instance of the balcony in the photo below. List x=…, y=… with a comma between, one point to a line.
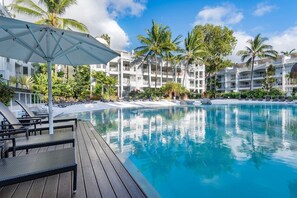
x=257, y=85
x=246, y=77
x=259, y=75
x=244, y=86
x=113, y=69
x=126, y=81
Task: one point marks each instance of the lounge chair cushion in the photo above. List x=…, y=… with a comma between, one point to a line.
x=19, y=169
x=42, y=141
x=69, y=124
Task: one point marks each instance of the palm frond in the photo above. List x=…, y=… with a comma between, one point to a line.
x=26, y=5
x=25, y=10
x=71, y=23
x=64, y=4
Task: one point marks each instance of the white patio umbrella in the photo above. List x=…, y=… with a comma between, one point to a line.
x=45, y=44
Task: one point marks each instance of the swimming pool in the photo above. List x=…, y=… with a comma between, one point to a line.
x=212, y=151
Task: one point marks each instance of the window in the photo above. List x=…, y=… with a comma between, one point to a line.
x=25, y=70
x=8, y=60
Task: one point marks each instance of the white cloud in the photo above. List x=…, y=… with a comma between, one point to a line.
x=242, y=38
x=220, y=15
x=126, y=7
x=263, y=8
x=100, y=17
x=284, y=41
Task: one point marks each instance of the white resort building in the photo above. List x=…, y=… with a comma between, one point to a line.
x=237, y=78
x=132, y=73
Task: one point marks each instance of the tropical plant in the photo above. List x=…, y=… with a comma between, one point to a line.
x=40, y=84
x=49, y=12
x=82, y=79
x=26, y=81
x=218, y=42
x=290, y=78
x=154, y=44
x=13, y=80
x=6, y=93
x=288, y=53
x=106, y=37
x=269, y=79
x=192, y=53
x=168, y=54
x=105, y=85
x=256, y=49
x=171, y=89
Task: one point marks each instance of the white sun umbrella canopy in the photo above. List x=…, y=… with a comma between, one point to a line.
x=45, y=44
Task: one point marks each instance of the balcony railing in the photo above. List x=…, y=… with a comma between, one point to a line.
x=113, y=69
x=244, y=77
x=244, y=86
x=259, y=75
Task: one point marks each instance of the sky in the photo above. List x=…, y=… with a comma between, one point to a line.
x=124, y=20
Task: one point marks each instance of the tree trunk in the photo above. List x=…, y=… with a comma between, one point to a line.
x=252, y=71
x=167, y=71
x=149, y=70
x=175, y=73
x=156, y=62
x=207, y=76
x=67, y=71
x=184, y=78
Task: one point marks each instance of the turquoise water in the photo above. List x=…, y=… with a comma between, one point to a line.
x=212, y=151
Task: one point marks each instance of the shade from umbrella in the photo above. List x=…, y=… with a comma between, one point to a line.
x=30, y=42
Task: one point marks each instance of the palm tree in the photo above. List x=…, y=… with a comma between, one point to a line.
x=154, y=44
x=168, y=54
x=49, y=13
x=106, y=37
x=256, y=49
x=288, y=53
x=192, y=52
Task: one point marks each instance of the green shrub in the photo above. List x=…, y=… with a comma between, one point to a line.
x=261, y=93
x=232, y=95
x=6, y=93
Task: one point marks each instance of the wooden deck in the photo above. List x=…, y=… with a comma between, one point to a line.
x=100, y=173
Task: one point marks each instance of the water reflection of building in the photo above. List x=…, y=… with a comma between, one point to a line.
x=244, y=129
x=140, y=124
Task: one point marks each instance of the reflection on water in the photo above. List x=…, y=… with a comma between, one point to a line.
x=213, y=151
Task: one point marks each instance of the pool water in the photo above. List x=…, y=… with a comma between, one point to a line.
x=211, y=151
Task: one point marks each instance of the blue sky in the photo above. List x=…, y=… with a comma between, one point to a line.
x=123, y=20
x=269, y=18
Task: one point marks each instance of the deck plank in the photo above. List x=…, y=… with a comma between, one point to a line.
x=103, y=179
x=128, y=181
x=100, y=173
x=81, y=189
x=90, y=181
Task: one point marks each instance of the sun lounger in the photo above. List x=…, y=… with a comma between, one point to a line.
x=30, y=142
x=267, y=98
x=34, y=124
x=44, y=117
x=29, y=167
x=4, y=146
x=205, y=101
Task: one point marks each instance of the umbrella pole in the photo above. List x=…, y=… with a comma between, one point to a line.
x=50, y=98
